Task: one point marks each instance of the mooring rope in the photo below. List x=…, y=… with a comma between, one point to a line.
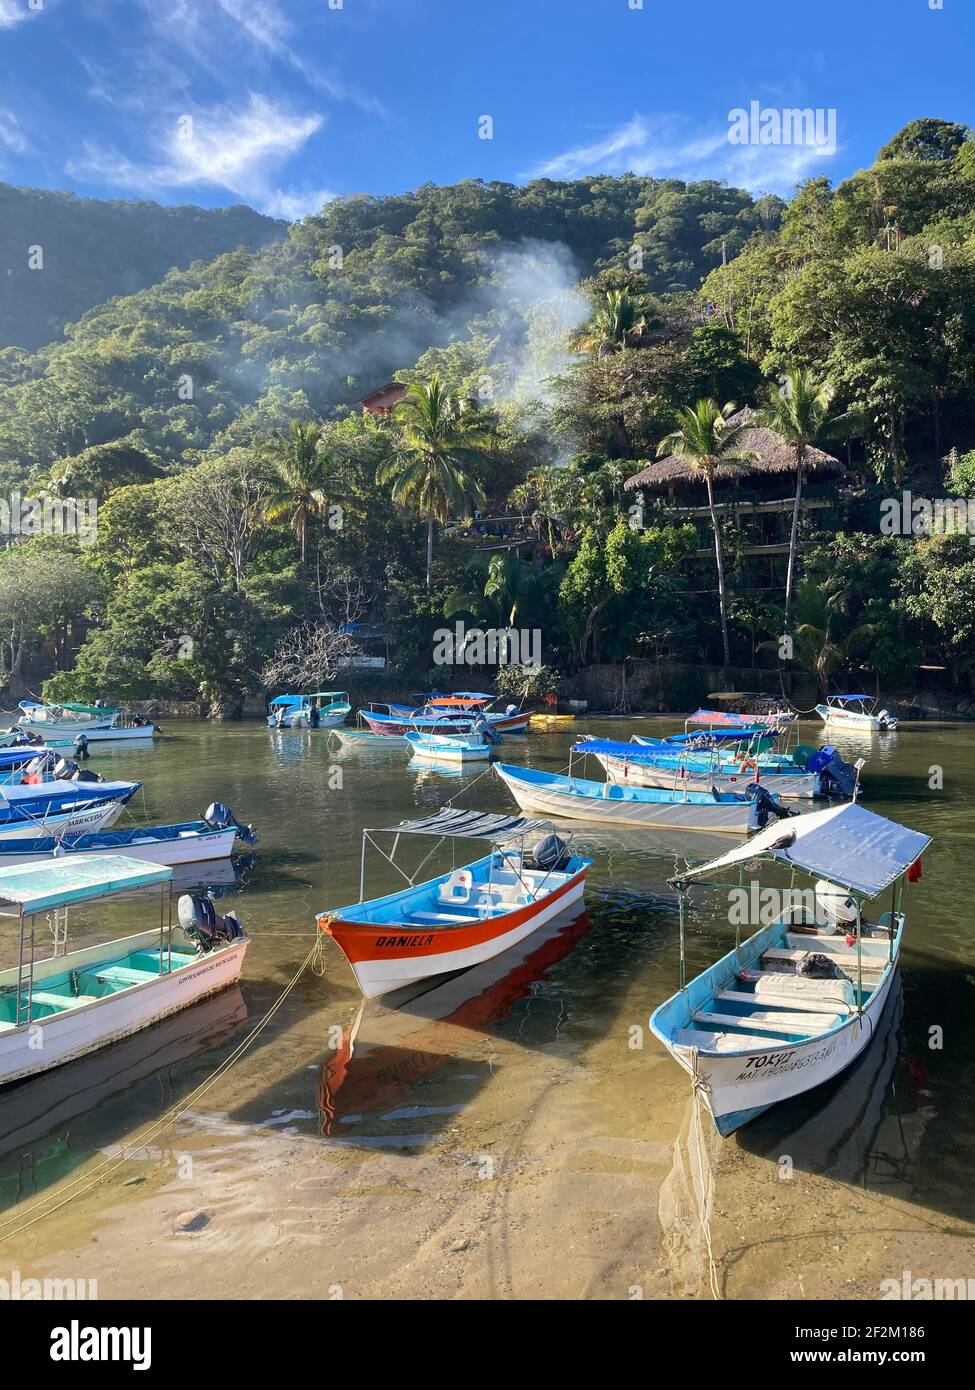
x=697, y=1130
x=86, y=1182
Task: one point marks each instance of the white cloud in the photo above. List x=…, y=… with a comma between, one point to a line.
x=237, y=150
x=14, y=12
x=292, y=204
x=10, y=135
x=664, y=147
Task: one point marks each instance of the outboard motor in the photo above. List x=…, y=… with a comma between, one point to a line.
x=511, y=710
x=220, y=817
x=837, y=777
x=81, y=746
x=769, y=805
x=551, y=854
x=204, y=925
x=484, y=727
x=886, y=720
x=835, y=907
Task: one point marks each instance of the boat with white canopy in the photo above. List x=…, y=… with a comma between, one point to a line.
x=66, y=1004
x=796, y=1002
x=464, y=916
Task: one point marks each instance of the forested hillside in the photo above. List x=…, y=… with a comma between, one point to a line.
x=62, y=254
x=348, y=298
x=557, y=338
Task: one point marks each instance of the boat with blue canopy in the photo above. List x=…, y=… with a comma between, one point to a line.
x=856, y=712
x=799, y=1000
x=58, y=1007
x=60, y=806
x=321, y=709
x=635, y=765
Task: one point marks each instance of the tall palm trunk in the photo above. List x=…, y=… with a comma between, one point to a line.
x=429, y=550
x=794, y=534
x=719, y=560
x=303, y=535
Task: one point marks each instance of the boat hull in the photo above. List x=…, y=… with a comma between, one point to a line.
x=729, y=818
x=384, y=724
x=738, y=1088
x=98, y=733
x=30, y=1048
x=385, y=958
x=186, y=849
x=793, y=786
x=62, y=823
x=854, y=719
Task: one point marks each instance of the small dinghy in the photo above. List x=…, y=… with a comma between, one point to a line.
x=554, y=794
x=463, y=917
x=798, y=1001
x=70, y=1003
x=444, y=748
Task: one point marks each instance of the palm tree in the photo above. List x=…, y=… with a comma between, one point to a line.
x=704, y=439
x=300, y=474
x=801, y=412
x=431, y=472
x=617, y=321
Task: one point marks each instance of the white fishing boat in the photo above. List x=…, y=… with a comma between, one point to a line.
x=575, y=798
x=70, y=1003
x=859, y=712
x=798, y=1001
x=96, y=723
x=211, y=838
x=445, y=748
x=30, y=811
x=462, y=917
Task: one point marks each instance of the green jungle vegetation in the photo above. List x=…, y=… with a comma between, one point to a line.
x=555, y=339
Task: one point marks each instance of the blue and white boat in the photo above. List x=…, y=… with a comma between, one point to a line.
x=69, y=1003
x=30, y=811
x=633, y=765
x=798, y=1001
x=187, y=842
x=575, y=798
x=444, y=748
x=856, y=712
x=322, y=709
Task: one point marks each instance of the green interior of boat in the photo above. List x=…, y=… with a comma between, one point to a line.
x=57, y=993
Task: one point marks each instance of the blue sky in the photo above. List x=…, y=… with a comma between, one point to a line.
x=283, y=103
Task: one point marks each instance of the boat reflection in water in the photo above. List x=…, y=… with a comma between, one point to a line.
x=394, y=1045
x=53, y=1122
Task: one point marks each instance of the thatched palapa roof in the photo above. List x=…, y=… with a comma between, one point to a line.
x=774, y=457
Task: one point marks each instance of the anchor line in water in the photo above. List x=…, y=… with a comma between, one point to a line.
x=87, y=1182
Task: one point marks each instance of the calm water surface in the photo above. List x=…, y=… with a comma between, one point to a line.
x=570, y=994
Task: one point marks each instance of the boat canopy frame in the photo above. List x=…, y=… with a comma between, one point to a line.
x=452, y=823
x=95, y=876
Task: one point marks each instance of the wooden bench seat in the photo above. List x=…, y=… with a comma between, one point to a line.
x=772, y=1021
x=782, y=1001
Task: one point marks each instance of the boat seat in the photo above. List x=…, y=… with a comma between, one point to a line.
x=773, y=1021
x=837, y=992
x=778, y=957
x=122, y=975
x=435, y=917
x=723, y=1042
x=780, y=1001
x=457, y=888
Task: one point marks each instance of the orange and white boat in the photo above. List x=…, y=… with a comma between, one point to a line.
x=463, y=917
